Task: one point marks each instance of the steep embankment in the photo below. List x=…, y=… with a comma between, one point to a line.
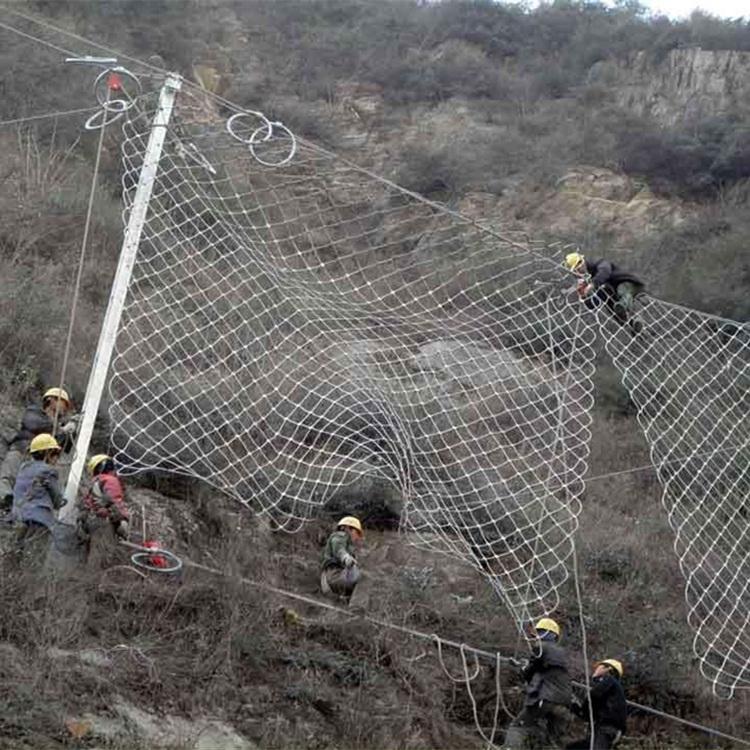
x=113, y=659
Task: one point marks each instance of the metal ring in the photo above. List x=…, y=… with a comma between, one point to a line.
x=104, y=113
x=121, y=104
x=145, y=560
x=292, y=151
x=249, y=113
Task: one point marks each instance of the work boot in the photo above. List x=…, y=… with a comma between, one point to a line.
x=621, y=312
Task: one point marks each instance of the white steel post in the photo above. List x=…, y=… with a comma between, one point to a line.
x=131, y=240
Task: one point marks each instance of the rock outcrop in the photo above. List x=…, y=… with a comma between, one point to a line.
x=686, y=85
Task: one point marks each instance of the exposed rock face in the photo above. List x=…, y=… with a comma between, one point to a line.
x=131, y=723
x=687, y=84
x=166, y=521
x=612, y=202
x=599, y=198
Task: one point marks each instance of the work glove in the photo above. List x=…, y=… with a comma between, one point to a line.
x=70, y=427
x=348, y=560
x=522, y=665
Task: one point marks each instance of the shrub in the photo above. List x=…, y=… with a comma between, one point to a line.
x=693, y=161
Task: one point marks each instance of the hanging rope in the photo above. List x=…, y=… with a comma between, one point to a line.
x=584, y=644
x=48, y=116
x=498, y=692
x=81, y=261
x=465, y=677
x=498, y=666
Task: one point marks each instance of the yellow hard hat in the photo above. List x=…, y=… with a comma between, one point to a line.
x=43, y=442
x=94, y=461
x=60, y=393
x=614, y=663
x=548, y=624
x=573, y=260
x=352, y=522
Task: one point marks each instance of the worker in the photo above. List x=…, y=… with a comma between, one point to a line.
x=103, y=515
x=608, y=705
x=36, y=493
x=603, y=282
x=37, y=421
x=548, y=693
x=340, y=573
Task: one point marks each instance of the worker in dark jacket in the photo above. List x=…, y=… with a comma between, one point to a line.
x=548, y=693
x=36, y=494
x=603, y=282
x=608, y=704
x=37, y=421
x=339, y=572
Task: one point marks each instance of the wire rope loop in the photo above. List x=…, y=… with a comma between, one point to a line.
x=464, y=663
x=474, y=710
x=499, y=687
x=107, y=115
x=466, y=678
x=103, y=88
x=157, y=560
x=235, y=118
x=292, y=149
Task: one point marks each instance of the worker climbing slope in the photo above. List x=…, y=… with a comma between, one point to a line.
x=340, y=573
x=37, y=420
x=103, y=516
x=36, y=495
x=603, y=282
x=608, y=704
x=548, y=692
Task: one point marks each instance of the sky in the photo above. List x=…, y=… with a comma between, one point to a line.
x=682, y=8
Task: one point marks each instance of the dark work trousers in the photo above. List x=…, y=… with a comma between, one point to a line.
x=537, y=726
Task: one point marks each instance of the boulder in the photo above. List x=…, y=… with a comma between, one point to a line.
x=134, y=724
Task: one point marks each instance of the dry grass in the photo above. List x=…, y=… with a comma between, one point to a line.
x=211, y=646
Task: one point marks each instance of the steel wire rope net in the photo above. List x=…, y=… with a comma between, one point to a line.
x=689, y=376
x=292, y=330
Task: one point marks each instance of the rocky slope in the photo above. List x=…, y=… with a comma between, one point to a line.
x=112, y=659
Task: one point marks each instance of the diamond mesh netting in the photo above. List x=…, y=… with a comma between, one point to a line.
x=295, y=325
x=689, y=375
